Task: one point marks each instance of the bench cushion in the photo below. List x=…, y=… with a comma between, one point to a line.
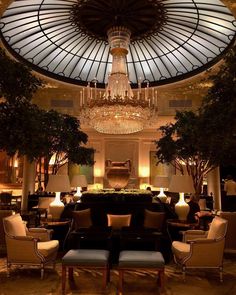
x=145, y=259
x=86, y=257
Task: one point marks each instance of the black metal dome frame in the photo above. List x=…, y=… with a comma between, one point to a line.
x=53, y=38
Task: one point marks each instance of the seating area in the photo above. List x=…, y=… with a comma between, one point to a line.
x=107, y=239
x=117, y=147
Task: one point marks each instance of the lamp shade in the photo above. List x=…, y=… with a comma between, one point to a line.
x=58, y=183
x=181, y=184
x=161, y=181
x=79, y=180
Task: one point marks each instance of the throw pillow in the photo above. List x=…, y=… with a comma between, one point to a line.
x=153, y=219
x=82, y=218
x=118, y=221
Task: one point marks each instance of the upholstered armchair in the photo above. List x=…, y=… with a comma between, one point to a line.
x=3, y=214
x=201, y=249
x=28, y=246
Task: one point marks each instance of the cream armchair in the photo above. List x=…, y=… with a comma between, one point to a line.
x=201, y=249
x=28, y=246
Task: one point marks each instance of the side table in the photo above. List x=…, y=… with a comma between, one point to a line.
x=175, y=227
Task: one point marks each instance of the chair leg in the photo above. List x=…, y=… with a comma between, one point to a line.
x=121, y=281
x=105, y=278
x=221, y=274
x=42, y=271
x=8, y=269
x=63, y=280
x=184, y=273
x=108, y=273
x=161, y=278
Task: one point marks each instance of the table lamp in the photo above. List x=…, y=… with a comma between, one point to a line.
x=57, y=183
x=79, y=181
x=181, y=184
x=162, y=182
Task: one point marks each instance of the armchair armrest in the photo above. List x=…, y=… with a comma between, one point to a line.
x=194, y=234
x=201, y=241
x=25, y=238
x=42, y=234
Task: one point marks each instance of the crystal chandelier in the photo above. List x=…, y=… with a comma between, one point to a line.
x=118, y=110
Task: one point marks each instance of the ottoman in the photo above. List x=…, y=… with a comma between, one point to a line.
x=85, y=258
x=132, y=260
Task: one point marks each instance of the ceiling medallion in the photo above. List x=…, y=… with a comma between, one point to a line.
x=142, y=18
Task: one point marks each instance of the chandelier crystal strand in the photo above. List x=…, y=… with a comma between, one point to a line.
x=118, y=111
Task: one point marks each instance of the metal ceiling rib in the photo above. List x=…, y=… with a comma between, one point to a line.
x=195, y=34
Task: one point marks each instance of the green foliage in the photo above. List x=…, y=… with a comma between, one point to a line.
x=16, y=80
x=199, y=142
x=218, y=111
x=36, y=133
x=28, y=130
x=184, y=145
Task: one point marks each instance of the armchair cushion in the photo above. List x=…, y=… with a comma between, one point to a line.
x=42, y=234
x=82, y=218
x=118, y=221
x=217, y=228
x=48, y=248
x=153, y=219
x=14, y=225
x=180, y=249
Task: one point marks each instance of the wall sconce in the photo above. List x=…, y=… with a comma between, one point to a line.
x=161, y=182
x=57, y=183
x=79, y=181
x=181, y=184
x=97, y=172
x=144, y=172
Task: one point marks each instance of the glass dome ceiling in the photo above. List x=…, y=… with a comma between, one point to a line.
x=66, y=39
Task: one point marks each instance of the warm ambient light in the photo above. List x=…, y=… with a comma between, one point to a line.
x=161, y=182
x=57, y=183
x=181, y=184
x=79, y=181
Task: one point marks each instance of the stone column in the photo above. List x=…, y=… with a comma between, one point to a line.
x=28, y=186
x=213, y=187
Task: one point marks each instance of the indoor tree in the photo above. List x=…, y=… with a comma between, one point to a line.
x=200, y=141
x=29, y=131
x=16, y=79
x=218, y=111
x=184, y=145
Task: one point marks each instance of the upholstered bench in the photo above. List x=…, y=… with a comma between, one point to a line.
x=132, y=260
x=85, y=258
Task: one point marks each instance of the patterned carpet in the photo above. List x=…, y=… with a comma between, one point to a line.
x=27, y=282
